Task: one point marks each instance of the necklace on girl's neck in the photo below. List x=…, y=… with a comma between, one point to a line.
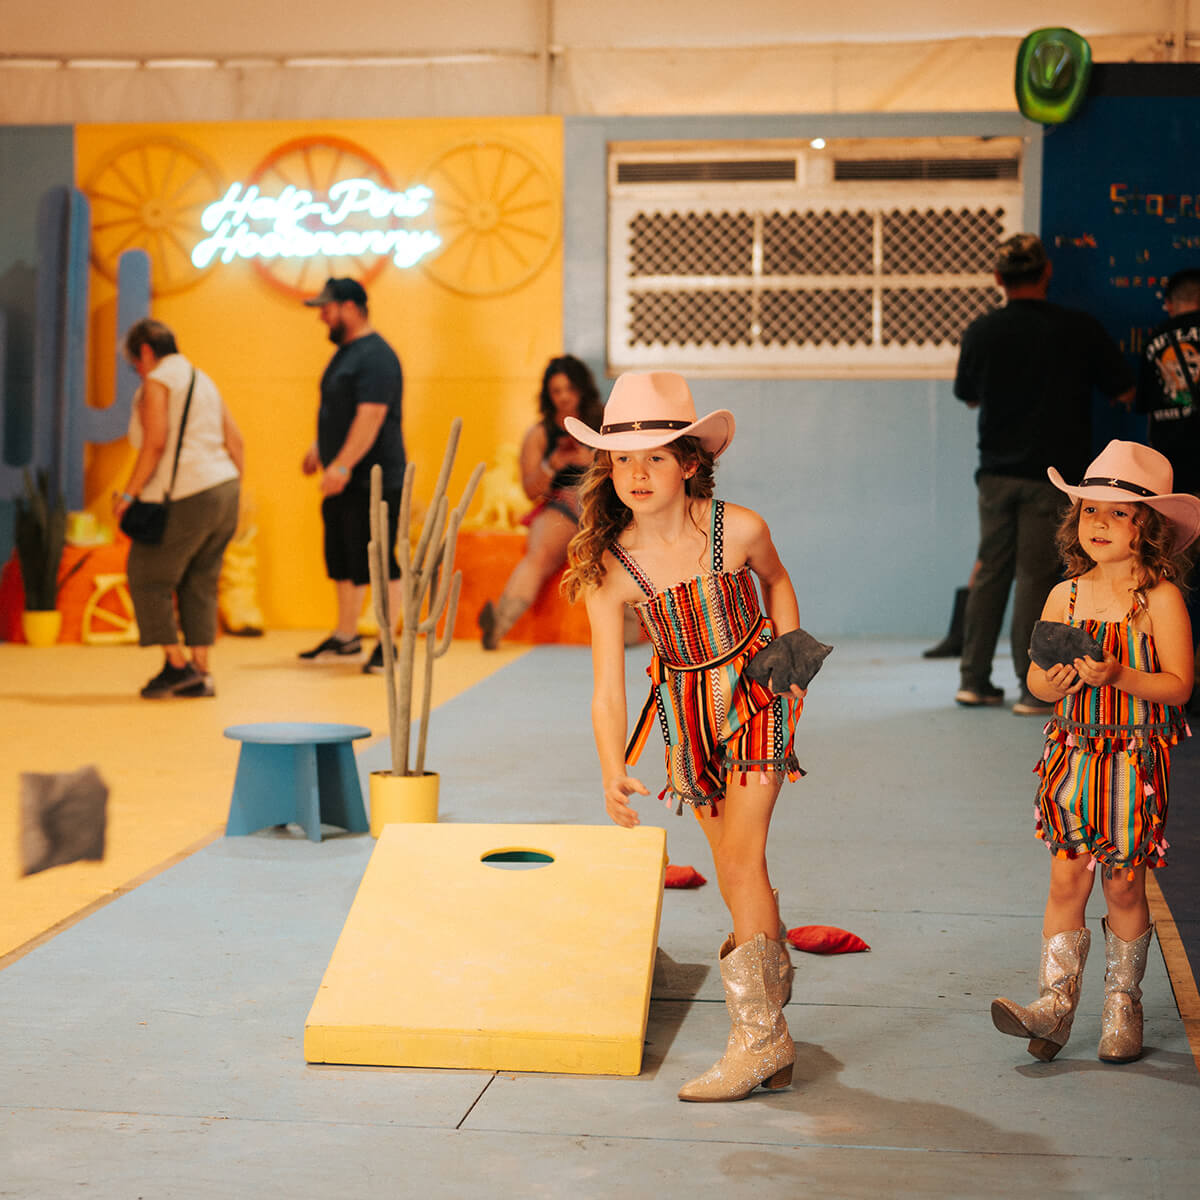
x=1119, y=597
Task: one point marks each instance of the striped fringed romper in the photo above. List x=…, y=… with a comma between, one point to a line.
x=714, y=720
x=1103, y=789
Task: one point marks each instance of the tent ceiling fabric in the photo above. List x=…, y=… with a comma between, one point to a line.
x=968, y=74
x=468, y=58
x=236, y=28
x=686, y=23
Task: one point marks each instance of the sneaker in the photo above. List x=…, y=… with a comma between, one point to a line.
x=374, y=664
x=174, y=681
x=203, y=687
x=333, y=647
x=978, y=697
x=1030, y=706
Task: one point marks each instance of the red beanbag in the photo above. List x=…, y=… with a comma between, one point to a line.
x=825, y=939
x=683, y=877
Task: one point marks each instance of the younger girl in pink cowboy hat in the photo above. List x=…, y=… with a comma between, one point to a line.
x=653, y=538
x=1102, y=796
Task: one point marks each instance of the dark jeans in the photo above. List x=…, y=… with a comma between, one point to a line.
x=1017, y=521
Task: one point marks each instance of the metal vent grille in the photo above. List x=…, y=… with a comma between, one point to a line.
x=690, y=243
x=946, y=242
x=931, y=317
x=817, y=243
x=810, y=276
x=816, y=318
x=926, y=168
x=683, y=317
x=871, y=281
x=713, y=171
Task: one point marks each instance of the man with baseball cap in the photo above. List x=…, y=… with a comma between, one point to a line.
x=358, y=425
x=1030, y=368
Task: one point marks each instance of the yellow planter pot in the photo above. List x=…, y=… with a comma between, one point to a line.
x=41, y=628
x=402, y=799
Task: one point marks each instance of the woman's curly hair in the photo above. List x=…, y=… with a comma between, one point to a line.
x=603, y=517
x=591, y=407
x=1152, y=546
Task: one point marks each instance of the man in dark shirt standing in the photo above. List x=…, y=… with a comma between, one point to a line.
x=358, y=425
x=1169, y=390
x=1169, y=383
x=1029, y=368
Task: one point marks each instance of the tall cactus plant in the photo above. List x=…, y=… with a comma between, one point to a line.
x=429, y=587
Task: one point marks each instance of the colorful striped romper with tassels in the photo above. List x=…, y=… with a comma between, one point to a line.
x=714, y=720
x=1103, y=789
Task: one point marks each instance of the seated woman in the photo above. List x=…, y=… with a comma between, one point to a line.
x=552, y=464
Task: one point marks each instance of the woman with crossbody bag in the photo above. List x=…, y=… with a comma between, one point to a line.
x=190, y=456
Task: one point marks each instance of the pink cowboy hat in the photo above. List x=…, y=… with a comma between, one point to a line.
x=649, y=409
x=1129, y=471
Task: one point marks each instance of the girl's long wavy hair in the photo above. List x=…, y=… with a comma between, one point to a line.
x=1152, y=546
x=603, y=517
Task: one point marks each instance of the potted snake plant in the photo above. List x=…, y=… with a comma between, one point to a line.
x=40, y=531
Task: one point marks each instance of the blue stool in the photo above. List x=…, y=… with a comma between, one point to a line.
x=294, y=771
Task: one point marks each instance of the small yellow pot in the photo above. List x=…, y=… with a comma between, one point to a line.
x=397, y=799
x=41, y=628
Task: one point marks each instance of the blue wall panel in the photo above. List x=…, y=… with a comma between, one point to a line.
x=1121, y=205
x=32, y=159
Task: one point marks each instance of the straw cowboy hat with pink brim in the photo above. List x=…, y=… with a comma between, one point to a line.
x=650, y=409
x=1130, y=472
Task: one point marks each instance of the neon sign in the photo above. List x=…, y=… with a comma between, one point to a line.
x=356, y=219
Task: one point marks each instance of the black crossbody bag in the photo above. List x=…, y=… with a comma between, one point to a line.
x=146, y=520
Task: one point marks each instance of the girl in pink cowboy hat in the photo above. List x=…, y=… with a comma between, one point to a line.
x=653, y=538
x=1102, y=796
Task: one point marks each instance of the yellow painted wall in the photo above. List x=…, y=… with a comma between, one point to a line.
x=473, y=325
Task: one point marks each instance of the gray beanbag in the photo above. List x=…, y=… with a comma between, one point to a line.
x=1055, y=642
x=792, y=658
x=63, y=818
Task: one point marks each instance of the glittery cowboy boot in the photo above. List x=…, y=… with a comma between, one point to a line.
x=1121, y=1021
x=786, y=970
x=760, y=1049
x=1047, y=1021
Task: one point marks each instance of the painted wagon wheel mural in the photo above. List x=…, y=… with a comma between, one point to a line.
x=148, y=194
x=498, y=211
x=314, y=164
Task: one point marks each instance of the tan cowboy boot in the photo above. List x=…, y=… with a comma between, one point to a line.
x=760, y=1049
x=1121, y=1021
x=1047, y=1021
x=786, y=971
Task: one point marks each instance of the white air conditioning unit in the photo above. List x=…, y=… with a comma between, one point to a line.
x=866, y=257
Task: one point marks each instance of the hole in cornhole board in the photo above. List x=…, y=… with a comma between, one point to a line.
x=516, y=860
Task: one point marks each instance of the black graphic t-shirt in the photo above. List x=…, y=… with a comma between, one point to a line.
x=1169, y=391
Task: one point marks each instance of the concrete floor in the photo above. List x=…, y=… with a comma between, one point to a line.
x=155, y=1048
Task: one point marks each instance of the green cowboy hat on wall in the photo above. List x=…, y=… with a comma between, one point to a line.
x=1053, y=69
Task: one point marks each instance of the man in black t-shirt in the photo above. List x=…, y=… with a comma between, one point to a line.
x=1169, y=382
x=358, y=426
x=1029, y=368
x=1169, y=390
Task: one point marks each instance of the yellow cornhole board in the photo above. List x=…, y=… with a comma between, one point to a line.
x=447, y=961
